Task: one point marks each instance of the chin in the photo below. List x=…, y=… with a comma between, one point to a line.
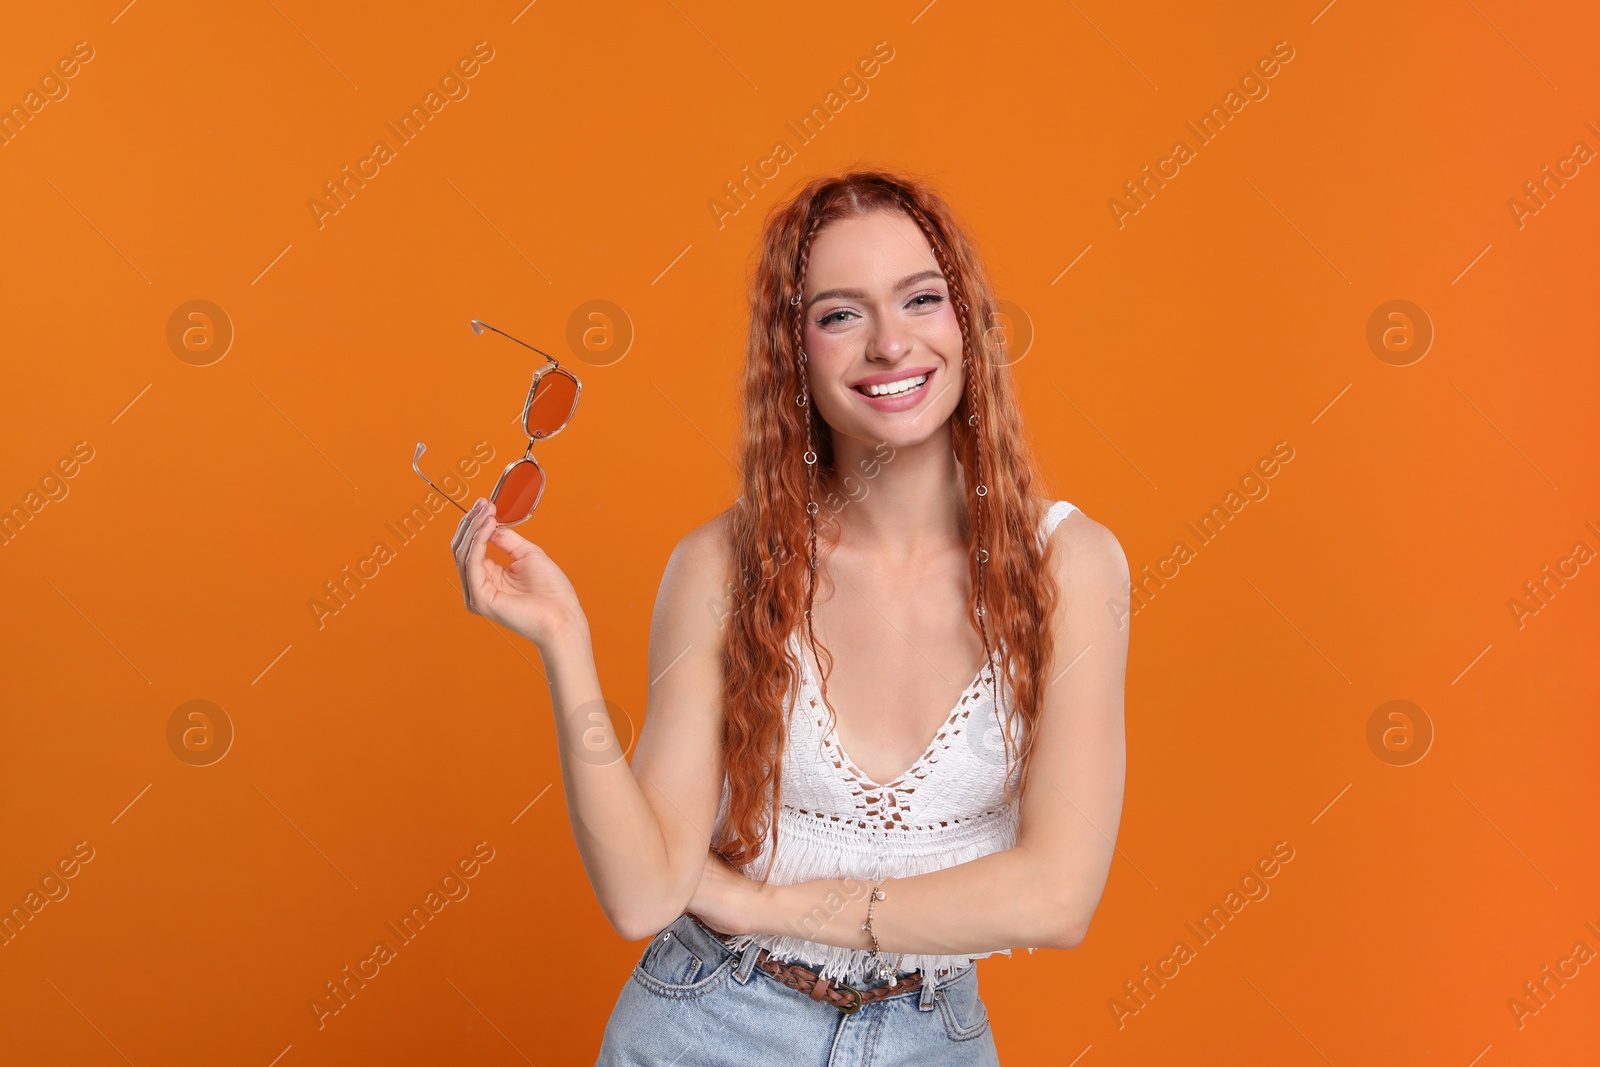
x=898, y=436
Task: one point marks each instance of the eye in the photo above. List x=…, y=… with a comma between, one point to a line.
x=933, y=298
x=828, y=320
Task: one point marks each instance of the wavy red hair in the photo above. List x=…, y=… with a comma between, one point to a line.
x=774, y=521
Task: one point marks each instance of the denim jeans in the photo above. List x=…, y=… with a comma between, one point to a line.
x=693, y=1002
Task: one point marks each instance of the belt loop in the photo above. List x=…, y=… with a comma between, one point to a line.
x=747, y=962
x=930, y=978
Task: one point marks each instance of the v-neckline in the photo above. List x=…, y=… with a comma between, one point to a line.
x=831, y=737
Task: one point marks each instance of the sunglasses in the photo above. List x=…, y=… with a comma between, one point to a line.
x=552, y=399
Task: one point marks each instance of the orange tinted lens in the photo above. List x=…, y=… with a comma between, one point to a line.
x=553, y=401
x=519, y=493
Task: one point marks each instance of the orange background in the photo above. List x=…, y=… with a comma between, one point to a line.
x=372, y=753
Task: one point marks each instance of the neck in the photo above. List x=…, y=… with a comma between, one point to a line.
x=901, y=504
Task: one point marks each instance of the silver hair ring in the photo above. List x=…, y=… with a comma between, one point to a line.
x=810, y=457
x=983, y=555
x=811, y=507
x=982, y=490
x=972, y=420
x=800, y=399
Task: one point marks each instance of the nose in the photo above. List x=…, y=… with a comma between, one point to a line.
x=888, y=341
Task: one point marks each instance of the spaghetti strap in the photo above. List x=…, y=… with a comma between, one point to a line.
x=1052, y=518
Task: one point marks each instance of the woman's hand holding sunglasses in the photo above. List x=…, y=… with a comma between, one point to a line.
x=531, y=597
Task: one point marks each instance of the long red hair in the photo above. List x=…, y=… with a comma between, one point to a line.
x=774, y=521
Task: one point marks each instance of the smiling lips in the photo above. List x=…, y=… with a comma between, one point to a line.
x=896, y=394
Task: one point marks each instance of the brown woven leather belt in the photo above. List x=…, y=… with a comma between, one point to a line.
x=847, y=998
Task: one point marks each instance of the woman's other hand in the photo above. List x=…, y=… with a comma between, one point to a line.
x=532, y=597
x=726, y=900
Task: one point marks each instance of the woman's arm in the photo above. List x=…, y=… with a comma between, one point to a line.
x=1043, y=891
x=643, y=831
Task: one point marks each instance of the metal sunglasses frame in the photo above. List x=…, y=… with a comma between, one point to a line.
x=552, y=367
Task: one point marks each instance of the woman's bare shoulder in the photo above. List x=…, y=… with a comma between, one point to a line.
x=697, y=570
x=707, y=547
x=1086, y=551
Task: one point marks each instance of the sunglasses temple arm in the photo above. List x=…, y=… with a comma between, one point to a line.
x=524, y=344
x=436, y=489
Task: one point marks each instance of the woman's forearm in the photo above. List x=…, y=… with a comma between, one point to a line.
x=1000, y=901
x=617, y=831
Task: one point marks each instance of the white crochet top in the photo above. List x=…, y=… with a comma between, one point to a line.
x=835, y=822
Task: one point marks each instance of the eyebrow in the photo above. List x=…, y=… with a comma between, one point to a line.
x=860, y=294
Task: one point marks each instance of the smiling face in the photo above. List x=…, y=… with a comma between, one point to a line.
x=878, y=320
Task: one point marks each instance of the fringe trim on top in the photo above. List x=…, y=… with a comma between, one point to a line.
x=811, y=849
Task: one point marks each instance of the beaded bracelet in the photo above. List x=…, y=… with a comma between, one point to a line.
x=884, y=970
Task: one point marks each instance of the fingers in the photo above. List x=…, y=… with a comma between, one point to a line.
x=513, y=543
x=470, y=545
x=464, y=528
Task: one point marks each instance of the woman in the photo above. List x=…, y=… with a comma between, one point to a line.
x=888, y=514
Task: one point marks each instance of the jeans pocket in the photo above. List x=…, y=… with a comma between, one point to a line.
x=963, y=1011
x=677, y=963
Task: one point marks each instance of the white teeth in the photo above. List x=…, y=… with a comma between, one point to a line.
x=891, y=388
